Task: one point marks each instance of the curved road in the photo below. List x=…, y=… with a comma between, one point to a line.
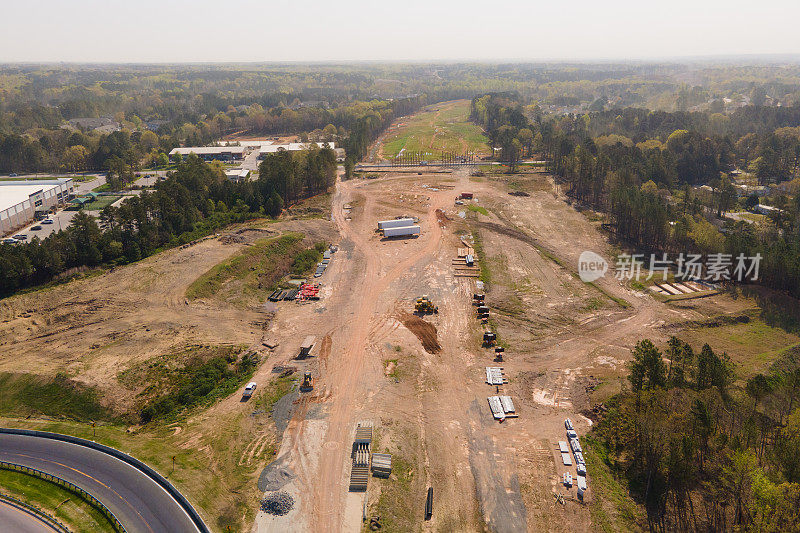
x=136, y=500
x=19, y=520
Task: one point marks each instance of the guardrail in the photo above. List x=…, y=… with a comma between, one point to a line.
x=51, y=520
x=132, y=461
x=69, y=486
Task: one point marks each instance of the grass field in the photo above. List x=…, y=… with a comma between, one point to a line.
x=440, y=127
x=752, y=345
x=248, y=278
x=67, y=507
x=101, y=203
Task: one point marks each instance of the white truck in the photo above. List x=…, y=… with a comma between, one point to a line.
x=249, y=390
x=406, y=231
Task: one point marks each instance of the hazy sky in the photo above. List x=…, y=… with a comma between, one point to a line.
x=309, y=30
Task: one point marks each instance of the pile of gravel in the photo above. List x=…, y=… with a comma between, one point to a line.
x=278, y=503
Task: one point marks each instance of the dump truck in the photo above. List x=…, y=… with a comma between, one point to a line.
x=395, y=223
x=424, y=305
x=404, y=231
x=308, y=382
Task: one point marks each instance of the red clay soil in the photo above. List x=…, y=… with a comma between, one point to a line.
x=425, y=331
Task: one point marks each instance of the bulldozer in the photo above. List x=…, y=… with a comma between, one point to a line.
x=308, y=382
x=424, y=305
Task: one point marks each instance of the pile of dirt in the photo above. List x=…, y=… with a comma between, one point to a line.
x=441, y=217
x=277, y=503
x=274, y=477
x=425, y=332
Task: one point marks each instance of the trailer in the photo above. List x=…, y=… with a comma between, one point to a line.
x=395, y=223
x=402, y=231
x=466, y=196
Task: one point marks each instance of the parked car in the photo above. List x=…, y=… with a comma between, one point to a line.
x=20, y=237
x=10, y=241
x=47, y=221
x=13, y=175
x=249, y=389
x=36, y=228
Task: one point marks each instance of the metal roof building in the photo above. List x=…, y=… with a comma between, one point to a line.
x=20, y=200
x=211, y=153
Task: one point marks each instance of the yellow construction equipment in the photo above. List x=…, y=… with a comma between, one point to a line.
x=424, y=305
x=308, y=382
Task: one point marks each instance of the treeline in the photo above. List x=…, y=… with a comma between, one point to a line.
x=645, y=187
x=123, y=152
x=700, y=453
x=192, y=202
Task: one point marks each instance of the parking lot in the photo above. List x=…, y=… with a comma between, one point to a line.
x=62, y=218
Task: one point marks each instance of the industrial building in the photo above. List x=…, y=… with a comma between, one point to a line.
x=21, y=201
x=290, y=147
x=211, y=153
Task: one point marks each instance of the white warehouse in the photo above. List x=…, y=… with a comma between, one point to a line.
x=21, y=200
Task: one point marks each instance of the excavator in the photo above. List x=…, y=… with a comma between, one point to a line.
x=424, y=305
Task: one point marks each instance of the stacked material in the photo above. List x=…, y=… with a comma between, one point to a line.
x=278, y=503
x=494, y=375
x=381, y=464
x=502, y=407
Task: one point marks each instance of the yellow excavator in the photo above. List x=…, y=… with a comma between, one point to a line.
x=424, y=305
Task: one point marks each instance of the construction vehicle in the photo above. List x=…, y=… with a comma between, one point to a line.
x=308, y=382
x=489, y=338
x=498, y=353
x=424, y=305
x=478, y=299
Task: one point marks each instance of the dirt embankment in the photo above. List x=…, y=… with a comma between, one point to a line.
x=425, y=331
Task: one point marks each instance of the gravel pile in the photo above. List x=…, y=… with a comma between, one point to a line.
x=278, y=503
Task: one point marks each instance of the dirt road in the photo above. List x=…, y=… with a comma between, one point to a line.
x=560, y=333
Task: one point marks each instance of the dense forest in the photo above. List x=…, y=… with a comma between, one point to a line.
x=193, y=201
x=701, y=453
x=640, y=167
x=159, y=107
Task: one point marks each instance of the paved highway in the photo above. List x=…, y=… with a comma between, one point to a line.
x=137, y=501
x=19, y=520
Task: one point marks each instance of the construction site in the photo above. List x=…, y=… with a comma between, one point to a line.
x=440, y=364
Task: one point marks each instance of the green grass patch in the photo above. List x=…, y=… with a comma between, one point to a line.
x=486, y=274
x=276, y=389
x=101, y=202
x=264, y=263
x=438, y=128
x=752, y=344
x=397, y=506
x=612, y=509
x=68, y=507
x=305, y=260
x=200, y=383
x=58, y=396
x=102, y=188
x=478, y=209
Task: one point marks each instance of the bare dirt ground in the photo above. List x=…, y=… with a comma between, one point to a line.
x=97, y=327
x=419, y=380
x=429, y=407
